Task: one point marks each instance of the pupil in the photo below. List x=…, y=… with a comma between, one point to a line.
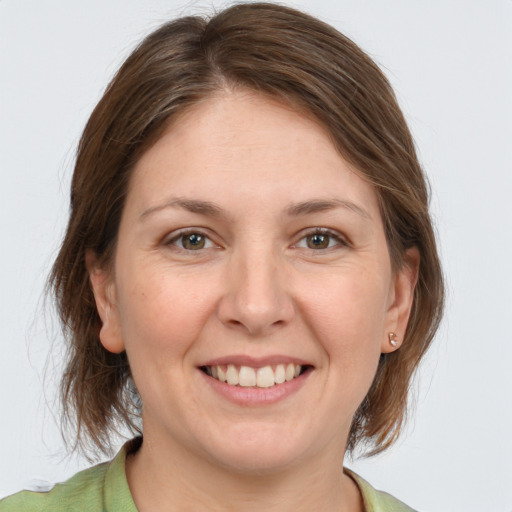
x=194, y=241
x=318, y=240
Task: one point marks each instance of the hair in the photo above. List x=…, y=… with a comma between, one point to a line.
x=300, y=61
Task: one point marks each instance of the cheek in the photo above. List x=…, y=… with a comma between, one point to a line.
x=347, y=311
x=162, y=315
x=162, y=318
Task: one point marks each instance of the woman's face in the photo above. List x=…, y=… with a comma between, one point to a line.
x=249, y=247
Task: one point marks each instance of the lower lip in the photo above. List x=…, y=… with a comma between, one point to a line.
x=251, y=396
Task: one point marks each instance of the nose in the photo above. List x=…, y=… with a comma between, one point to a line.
x=255, y=299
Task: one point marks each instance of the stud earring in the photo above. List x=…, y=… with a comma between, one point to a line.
x=392, y=339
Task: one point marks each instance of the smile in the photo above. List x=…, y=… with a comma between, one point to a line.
x=248, y=376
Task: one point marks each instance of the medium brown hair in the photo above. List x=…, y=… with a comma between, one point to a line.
x=299, y=60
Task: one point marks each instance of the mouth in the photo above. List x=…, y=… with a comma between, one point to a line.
x=256, y=377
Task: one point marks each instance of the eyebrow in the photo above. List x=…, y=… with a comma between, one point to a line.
x=321, y=205
x=210, y=209
x=192, y=205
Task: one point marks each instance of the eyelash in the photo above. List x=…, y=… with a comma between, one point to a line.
x=340, y=242
x=188, y=233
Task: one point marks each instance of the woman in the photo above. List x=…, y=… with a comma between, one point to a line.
x=249, y=268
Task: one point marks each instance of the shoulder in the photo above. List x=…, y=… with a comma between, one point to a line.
x=102, y=487
x=377, y=501
x=85, y=487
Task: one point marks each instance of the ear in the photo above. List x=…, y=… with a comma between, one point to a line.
x=104, y=291
x=401, y=299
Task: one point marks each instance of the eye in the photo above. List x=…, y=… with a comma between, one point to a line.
x=191, y=241
x=320, y=239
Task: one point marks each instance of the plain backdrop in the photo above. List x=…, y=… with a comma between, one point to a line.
x=450, y=62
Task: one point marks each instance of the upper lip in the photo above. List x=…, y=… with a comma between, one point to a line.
x=255, y=362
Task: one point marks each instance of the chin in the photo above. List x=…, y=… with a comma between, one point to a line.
x=257, y=450
x=254, y=462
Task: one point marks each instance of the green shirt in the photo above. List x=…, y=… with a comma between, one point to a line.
x=104, y=488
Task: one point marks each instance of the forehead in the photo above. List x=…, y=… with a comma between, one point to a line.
x=247, y=143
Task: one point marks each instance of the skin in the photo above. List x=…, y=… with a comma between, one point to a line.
x=255, y=289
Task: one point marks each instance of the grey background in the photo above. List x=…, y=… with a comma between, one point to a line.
x=451, y=65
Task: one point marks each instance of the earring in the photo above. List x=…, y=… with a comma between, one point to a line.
x=392, y=339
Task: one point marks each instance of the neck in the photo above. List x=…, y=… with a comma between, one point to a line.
x=168, y=477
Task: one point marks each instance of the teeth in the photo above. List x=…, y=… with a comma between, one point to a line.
x=246, y=376
x=290, y=371
x=280, y=375
x=265, y=377
x=232, y=375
